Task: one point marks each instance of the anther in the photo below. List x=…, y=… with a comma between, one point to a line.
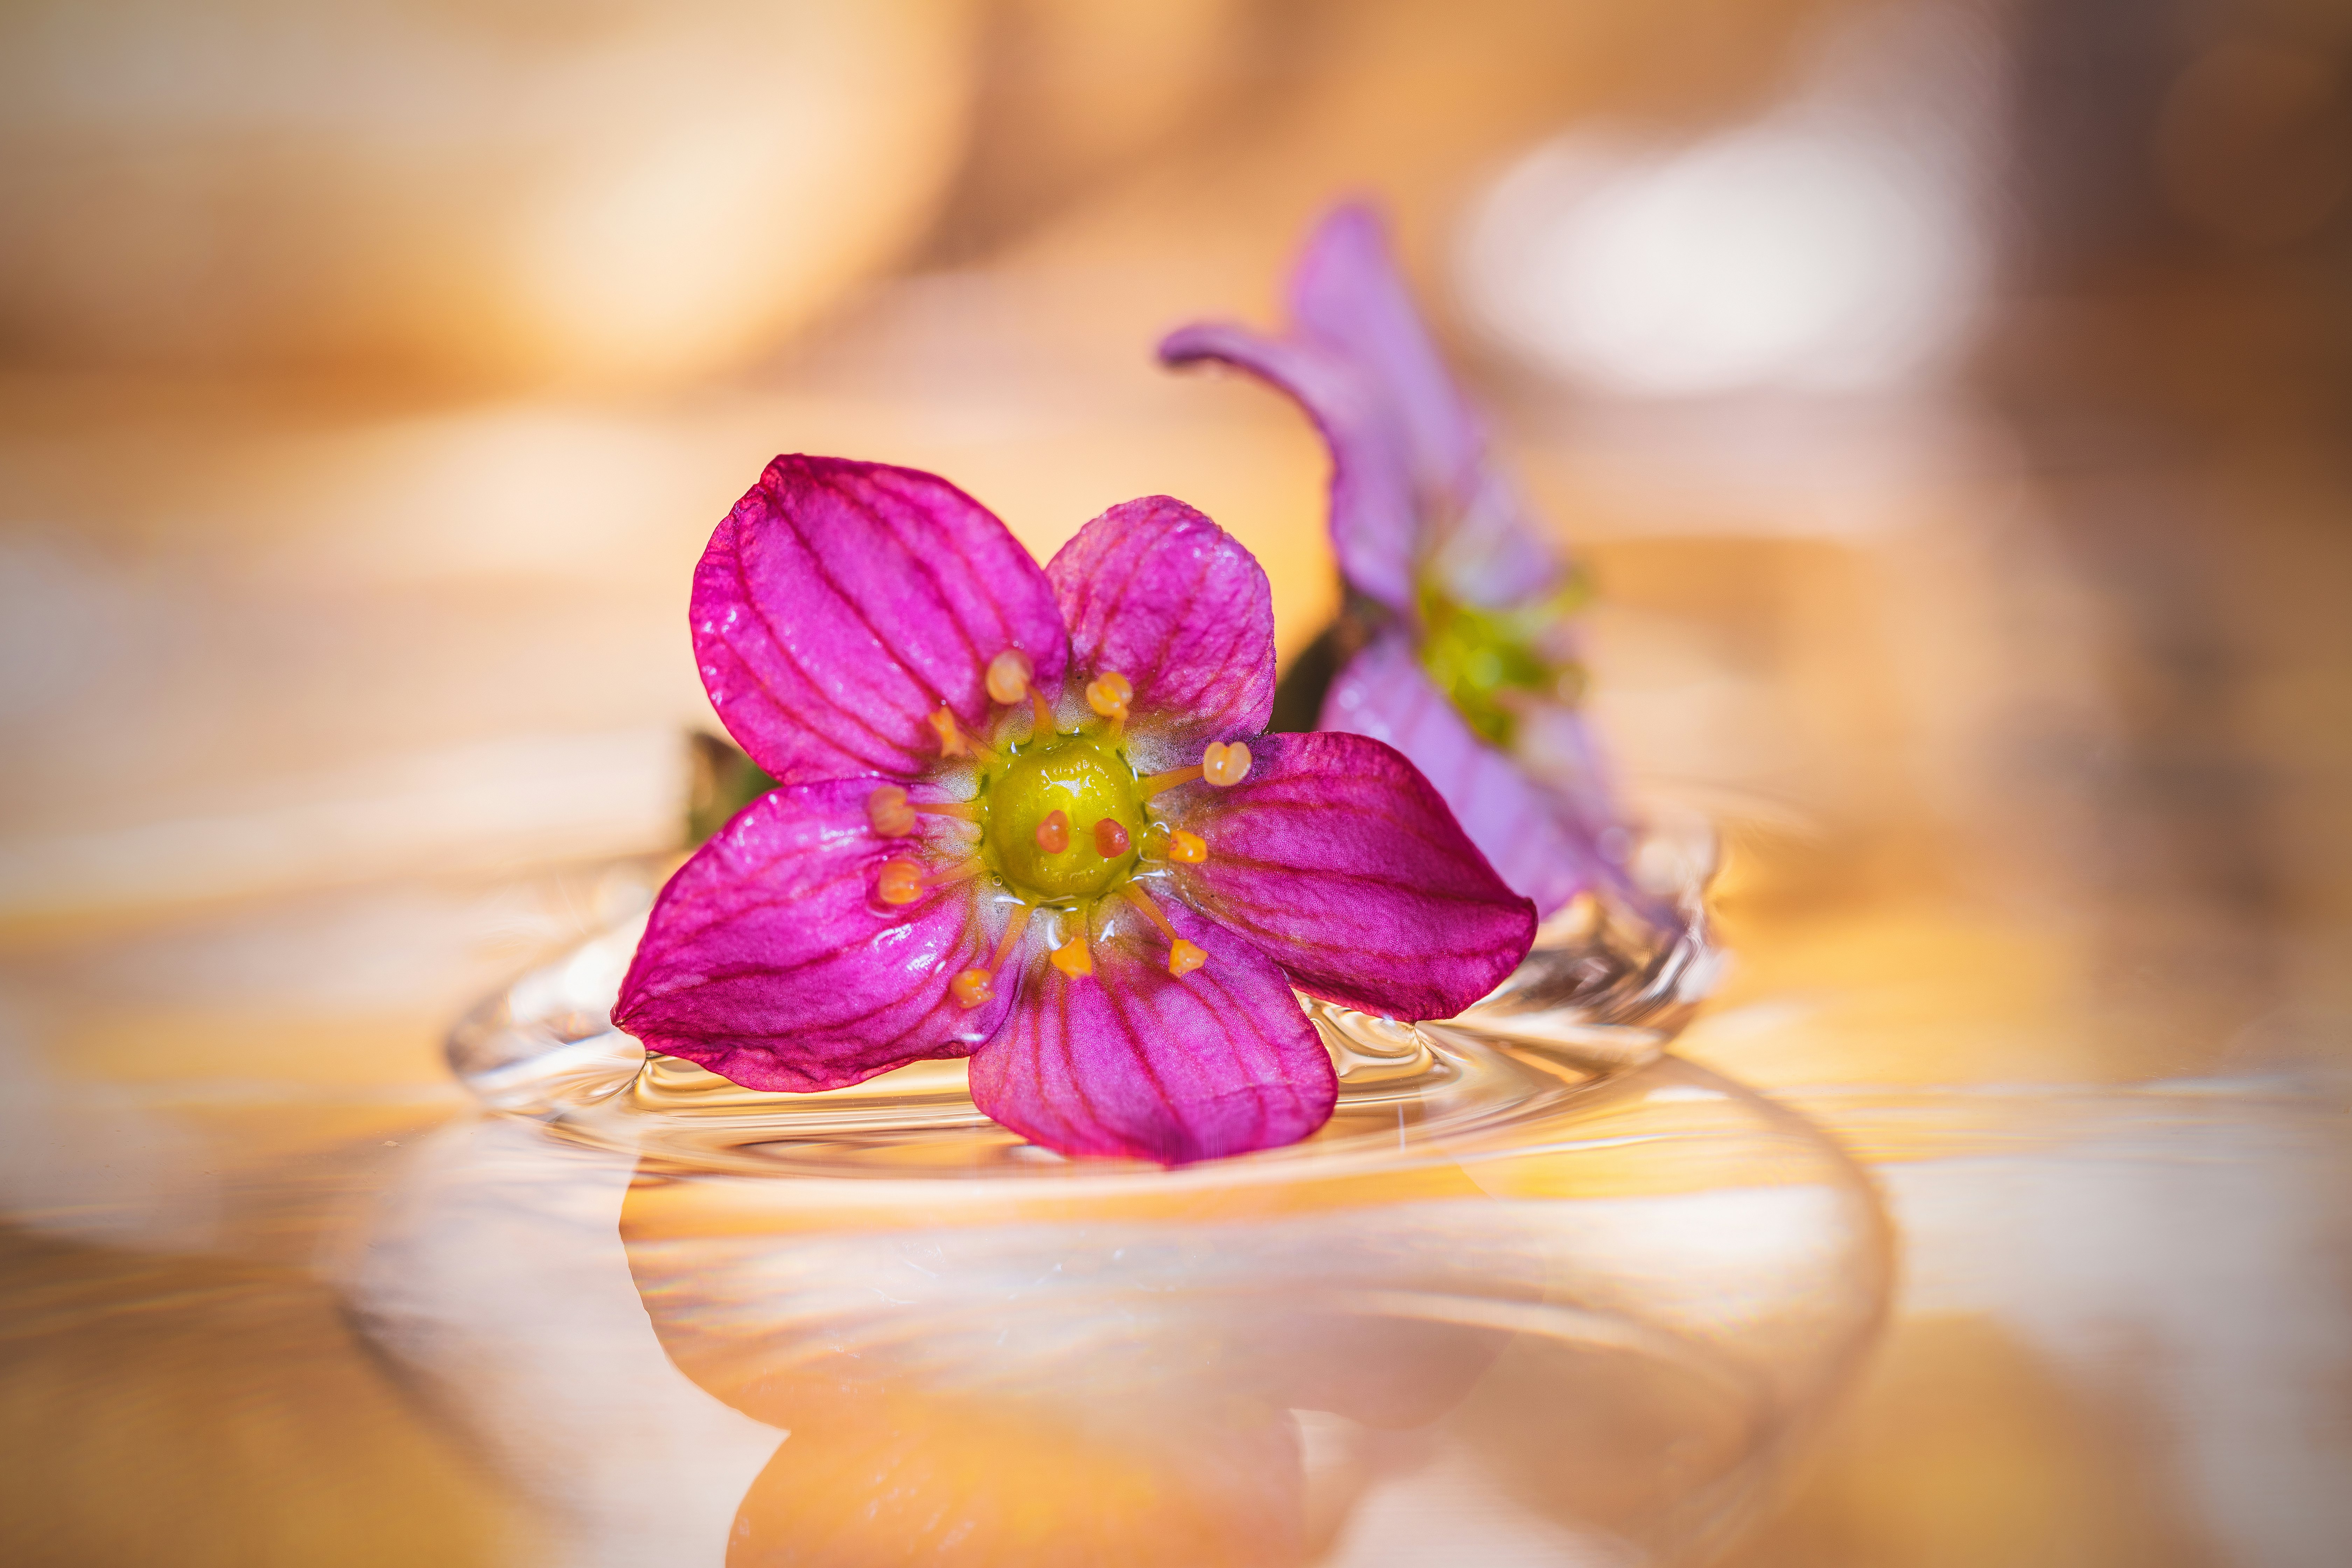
x=1053, y=832
x=902, y=882
x=888, y=811
x=1008, y=676
x=1183, y=957
x=1187, y=848
x=974, y=986
x=1109, y=693
x=1225, y=766
x=1074, y=958
x=952, y=741
x=1111, y=838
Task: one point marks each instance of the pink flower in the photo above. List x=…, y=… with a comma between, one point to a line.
x=1031, y=817
x=1473, y=671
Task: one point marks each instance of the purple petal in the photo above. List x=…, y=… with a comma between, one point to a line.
x=1531, y=834
x=769, y=961
x=1154, y=590
x=1493, y=553
x=1557, y=750
x=1347, y=293
x=1375, y=512
x=1342, y=864
x=1131, y=1061
x=1412, y=488
x=841, y=603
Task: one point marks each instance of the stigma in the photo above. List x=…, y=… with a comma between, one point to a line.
x=1063, y=818
x=1061, y=821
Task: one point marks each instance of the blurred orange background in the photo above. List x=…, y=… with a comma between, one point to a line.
x=1950, y=398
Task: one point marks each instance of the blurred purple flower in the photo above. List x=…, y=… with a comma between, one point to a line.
x=1029, y=816
x=1472, y=670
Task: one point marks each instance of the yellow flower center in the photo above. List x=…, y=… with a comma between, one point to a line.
x=1042, y=826
x=1060, y=819
x=1488, y=661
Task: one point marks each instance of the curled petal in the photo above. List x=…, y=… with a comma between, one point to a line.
x=1412, y=488
x=1376, y=513
x=1347, y=293
x=1156, y=592
x=1339, y=861
x=769, y=960
x=1130, y=1061
x=841, y=603
x=1533, y=836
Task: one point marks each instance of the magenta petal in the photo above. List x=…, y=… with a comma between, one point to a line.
x=1340, y=860
x=1157, y=592
x=1532, y=834
x=769, y=961
x=840, y=604
x=1131, y=1061
x=1375, y=512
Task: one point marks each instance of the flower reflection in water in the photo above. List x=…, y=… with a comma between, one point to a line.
x=1512, y=1298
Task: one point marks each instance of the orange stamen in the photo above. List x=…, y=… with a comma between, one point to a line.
x=1074, y=958
x=1053, y=832
x=1109, y=693
x=963, y=810
x=1013, y=927
x=889, y=814
x=974, y=986
x=1187, y=848
x=900, y=882
x=961, y=871
x=1225, y=766
x=1183, y=957
x=1111, y=838
x=1149, y=910
x=1044, y=714
x=1160, y=783
x=951, y=737
x=1008, y=676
